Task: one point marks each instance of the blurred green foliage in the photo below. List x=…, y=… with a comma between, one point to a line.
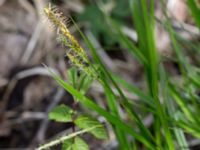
x=96, y=20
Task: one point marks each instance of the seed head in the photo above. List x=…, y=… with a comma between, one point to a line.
x=76, y=54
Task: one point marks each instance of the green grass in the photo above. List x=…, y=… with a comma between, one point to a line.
x=177, y=114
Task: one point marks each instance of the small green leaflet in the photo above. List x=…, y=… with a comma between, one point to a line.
x=75, y=144
x=61, y=113
x=85, y=122
x=80, y=144
x=67, y=144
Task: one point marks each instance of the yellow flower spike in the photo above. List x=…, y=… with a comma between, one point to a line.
x=76, y=54
x=59, y=21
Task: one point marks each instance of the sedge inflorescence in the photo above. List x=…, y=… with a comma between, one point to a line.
x=75, y=52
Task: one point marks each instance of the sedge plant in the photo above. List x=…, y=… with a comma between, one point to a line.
x=173, y=118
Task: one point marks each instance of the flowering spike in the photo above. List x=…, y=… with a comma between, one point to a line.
x=76, y=54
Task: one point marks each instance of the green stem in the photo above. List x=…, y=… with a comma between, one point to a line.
x=62, y=139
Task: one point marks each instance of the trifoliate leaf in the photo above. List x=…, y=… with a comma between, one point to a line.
x=85, y=122
x=67, y=144
x=61, y=113
x=80, y=144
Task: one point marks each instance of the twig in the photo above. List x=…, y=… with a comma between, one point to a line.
x=32, y=43
x=26, y=116
x=21, y=75
x=187, y=27
x=62, y=139
x=130, y=33
x=27, y=6
x=37, y=32
x=107, y=60
x=44, y=124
